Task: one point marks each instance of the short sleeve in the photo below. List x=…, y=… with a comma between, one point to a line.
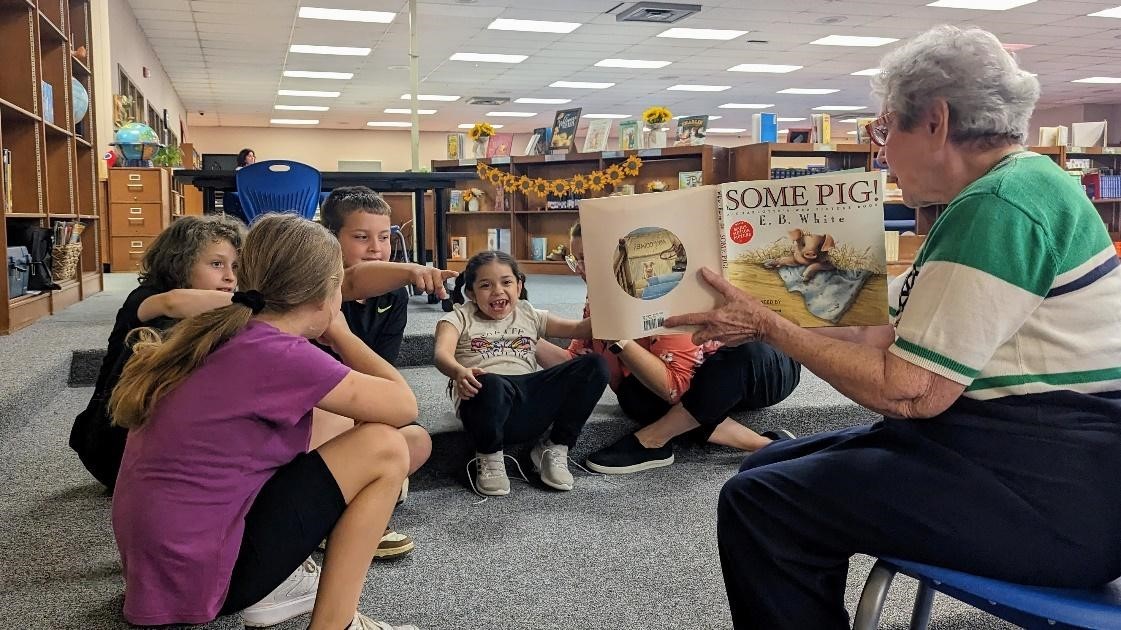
x=541, y=318
x=296, y=376
x=129, y=314
x=457, y=318
x=681, y=357
x=985, y=267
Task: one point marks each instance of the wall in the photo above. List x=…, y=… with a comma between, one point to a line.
x=1065, y=115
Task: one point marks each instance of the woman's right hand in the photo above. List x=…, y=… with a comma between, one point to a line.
x=466, y=382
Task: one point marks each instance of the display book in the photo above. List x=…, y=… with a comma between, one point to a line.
x=810, y=248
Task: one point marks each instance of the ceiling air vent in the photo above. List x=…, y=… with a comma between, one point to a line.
x=488, y=100
x=657, y=12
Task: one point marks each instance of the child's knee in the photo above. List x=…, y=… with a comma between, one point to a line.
x=419, y=443
x=594, y=367
x=386, y=447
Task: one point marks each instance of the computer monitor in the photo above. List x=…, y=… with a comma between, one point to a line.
x=219, y=161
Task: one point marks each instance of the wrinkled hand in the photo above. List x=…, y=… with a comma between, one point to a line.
x=741, y=319
x=430, y=280
x=467, y=383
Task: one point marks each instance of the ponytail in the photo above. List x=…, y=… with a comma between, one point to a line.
x=466, y=280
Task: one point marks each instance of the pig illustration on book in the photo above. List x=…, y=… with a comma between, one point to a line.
x=810, y=250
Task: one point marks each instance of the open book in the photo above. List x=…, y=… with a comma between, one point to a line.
x=810, y=248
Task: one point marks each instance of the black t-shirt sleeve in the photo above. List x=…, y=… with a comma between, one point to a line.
x=391, y=325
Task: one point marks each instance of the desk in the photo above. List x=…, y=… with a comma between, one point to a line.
x=417, y=183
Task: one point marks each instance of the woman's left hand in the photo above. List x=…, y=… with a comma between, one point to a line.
x=741, y=319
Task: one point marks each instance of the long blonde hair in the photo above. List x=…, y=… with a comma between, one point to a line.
x=291, y=261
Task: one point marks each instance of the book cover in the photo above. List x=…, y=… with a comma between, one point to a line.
x=455, y=201
x=764, y=127
x=691, y=131
x=540, y=247
x=810, y=248
x=492, y=239
x=564, y=130
x=458, y=249
x=456, y=142
x=7, y=175
x=689, y=179
x=599, y=130
x=823, y=132
x=504, y=244
x=48, y=102
x=630, y=135
x=1088, y=134
x=535, y=144
x=800, y=135
x=861, y=131
x=500, y=145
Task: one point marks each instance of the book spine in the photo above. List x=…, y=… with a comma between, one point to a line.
x=723, y=229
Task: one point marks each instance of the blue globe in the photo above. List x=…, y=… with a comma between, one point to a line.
x=137, y=141
x=81, y=99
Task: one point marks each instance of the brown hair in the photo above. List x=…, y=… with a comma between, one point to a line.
x=291, y=261
x=466, y=281
x=342, y=202
x=168, y=260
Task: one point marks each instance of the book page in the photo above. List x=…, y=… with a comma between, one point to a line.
x=641, y=258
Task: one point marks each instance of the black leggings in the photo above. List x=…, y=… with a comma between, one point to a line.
x=751, y=376
x=518, y=409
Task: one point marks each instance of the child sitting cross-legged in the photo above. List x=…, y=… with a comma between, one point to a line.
x=487, y=348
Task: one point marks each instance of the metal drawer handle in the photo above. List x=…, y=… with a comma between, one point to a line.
x=134, y=177
x=136, y=244
x=136, y=210
x=136, y=220
x=136, y=186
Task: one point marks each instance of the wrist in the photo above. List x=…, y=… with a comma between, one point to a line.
x=619, y=346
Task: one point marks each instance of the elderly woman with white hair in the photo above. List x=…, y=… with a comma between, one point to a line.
x=999, y=378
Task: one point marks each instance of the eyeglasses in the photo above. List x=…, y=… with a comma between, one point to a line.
x=878, y=129
x=575, y=264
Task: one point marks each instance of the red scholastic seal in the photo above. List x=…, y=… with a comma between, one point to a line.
x=741, y=232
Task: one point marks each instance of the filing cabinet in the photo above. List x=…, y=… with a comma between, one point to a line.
x=139, y=209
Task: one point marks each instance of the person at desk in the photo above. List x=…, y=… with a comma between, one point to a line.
x=245, y=157
x=231, y=203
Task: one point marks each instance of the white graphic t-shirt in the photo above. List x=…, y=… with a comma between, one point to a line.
x=506, y=346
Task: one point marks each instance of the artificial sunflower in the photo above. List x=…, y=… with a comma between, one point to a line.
x=579, y=183
x=559, y=187
x=615, y=175
x=632, y=165
x=657, y=115
x=481, y=130
x=540, y=187
x=596, y=181
x=495, y=176
x=525, y=185
x=509, y=181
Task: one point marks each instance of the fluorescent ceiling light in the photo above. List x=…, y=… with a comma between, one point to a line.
x=701, y=33
x=543, y=101
x=293, y=121
x=699, y=88
x=631, y=63
x=329, y=50
x=710, y=117
x=870, y=72
x=533, y=26
x=488, y=57
x=607, y=116
x=851, y=133
x=512, y=114
x=347, y=15
x=725, y=130
x=301, y=108
x=746, y=105
x=807, y=91
x=580, y=85
x=430, y=97
x=470, y=125
x=389, y=123
x=308, y=74
x=398, y=110
x=1098, y=80
x=314, y=93
x=763, y=67
x=784, y=131
x=981, y=5
x=840, y=108
x=790, y=119
x=1113, y=13
x=852, y=40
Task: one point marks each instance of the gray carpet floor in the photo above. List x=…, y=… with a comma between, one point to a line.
x=615, y=553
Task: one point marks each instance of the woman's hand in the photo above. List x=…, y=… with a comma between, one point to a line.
x=466, y=382
x=741, y=319
x=430, y=280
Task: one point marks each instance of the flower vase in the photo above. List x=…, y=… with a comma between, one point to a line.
x=656, y=136
x=473, y=204
x=480, y=147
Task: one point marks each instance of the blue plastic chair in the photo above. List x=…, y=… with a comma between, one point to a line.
x=278, y=186
x=1032, y=607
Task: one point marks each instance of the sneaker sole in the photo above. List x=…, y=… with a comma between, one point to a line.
x=494, y=493
x=279, y=613
x=390, y=553
x=626, y=470
x=554, y=486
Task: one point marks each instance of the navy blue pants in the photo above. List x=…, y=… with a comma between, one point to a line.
x=1032, y=502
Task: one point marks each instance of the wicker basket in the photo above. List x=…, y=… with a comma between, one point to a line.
x=64, y=265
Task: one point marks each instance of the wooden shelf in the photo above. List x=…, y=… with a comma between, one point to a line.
x=24, y=300
x=91, y=217
x=573, y=211
x=77, y=63
x=19, y=110
x=53, y=128
x=1106, y=201
x=24, y=215
x=82, y=141
x=47, y=27
x=63, y=216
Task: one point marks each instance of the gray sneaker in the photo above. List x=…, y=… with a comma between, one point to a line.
x=362, y=622
x=491, y=476
x=551, y=461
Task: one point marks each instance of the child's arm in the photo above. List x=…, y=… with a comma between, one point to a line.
x=373, y=278
x=549, y=354
x=182, y=303
x=568, y=328
x=466, y=379
x=650, y=370
x=373, y=391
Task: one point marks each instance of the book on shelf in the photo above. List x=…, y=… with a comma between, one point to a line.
x=498, y=239
x=595, y=138
x=1088, y=134
x=764, y=127
x=689, y=179
x=564, y=130
x=823, y=132
x=456, y=143
x=812, y=249
x=861, y=132
x=48, y=102
x=6, y=173
x=500, y=145
x=630, y=135
x=690, y=131
x=458, y=249
x=539, y=247
x=455, y=201
x=538, y=142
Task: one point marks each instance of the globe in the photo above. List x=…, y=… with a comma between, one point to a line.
x=137, y=141
x=81, y=99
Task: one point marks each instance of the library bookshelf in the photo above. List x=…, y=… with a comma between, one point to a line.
x=53, y=171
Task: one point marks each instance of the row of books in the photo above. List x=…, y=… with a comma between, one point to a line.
x=498, y=239
x=785, y=173
x=764, y=128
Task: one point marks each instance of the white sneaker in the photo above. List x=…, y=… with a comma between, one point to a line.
x=362, y=622
x=551, y=461
x=404, y=491
x=295, y=596
x=491, y=474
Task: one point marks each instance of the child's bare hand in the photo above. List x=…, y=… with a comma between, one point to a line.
x=467, y=382
x=334, y=331
x=430, y=280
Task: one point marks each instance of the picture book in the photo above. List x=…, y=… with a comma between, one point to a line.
x=455, y=201
x=456, y=142
x=691, y=131
x=48, y=102
x=538, y=142
x=823, y=132
x=539, y=247
x=597, y=134
x=764, y=127
x=811, y=248
x=564, y=130
x=689, y=179
x=500, y=145
x=630, y=135
x=458, y=250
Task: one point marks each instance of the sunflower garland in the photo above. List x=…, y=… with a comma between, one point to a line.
x=578, y=183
